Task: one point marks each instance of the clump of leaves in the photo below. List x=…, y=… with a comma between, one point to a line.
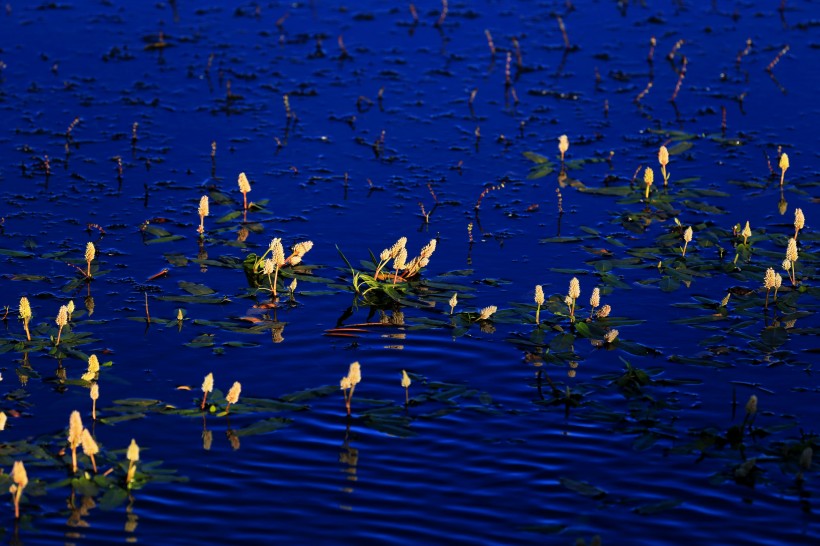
x=382, y=281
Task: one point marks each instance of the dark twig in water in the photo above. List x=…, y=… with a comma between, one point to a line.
x=507, y=79
x=518, y=58
x=564, y=34
x=776, y=60
x=490, y=41
x=635, y=176
x=443, y=14
x=643, y=93
x=98, y=227
x=486, y=191
x=345, y=54
x=681, y=75
x=723, y=119
x=671, y=55
x=744, y=52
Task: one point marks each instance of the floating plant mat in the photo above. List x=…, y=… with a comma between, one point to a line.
x=552, y=236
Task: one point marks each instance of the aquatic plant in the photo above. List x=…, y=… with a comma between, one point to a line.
x=563, y=146
x=75, y=435
x=486, y=313
x=94, y=394
x=768, y=284
x=133, y=455
x=245, y=188
x=453, y=302
x=233, y=395
x=25, y=315
x=784, y=166
x=273, y=260
x=61, y=321
x=405, y=382
x=90, y=254
x=378, y=285
x=751, y=411
x=93, y=369
x=277, y=260
x=594, y=301
x=799, y=221
x=610, y=336
x=539, y=301
x=90, y=447
x=348, y=383
x=399, y=263
x=791, y=256
x=207, y=386
x=3, y=419
x=573, y=294
x=648, y=180
x=746, y=233
x=663, y=159
x=687, y=238
x=203, y=211
x=20, y=479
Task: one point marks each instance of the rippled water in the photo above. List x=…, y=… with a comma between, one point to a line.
x=495, y=447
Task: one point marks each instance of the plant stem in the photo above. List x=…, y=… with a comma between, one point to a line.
x=275, y=276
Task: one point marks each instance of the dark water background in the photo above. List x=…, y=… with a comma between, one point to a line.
x=488, y=451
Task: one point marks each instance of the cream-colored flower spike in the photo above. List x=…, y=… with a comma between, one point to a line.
x=203, y=210
x=799, y=221
x=233, y=394
x=20, y=479
x=663, y=159
x=747, y=232
x=61, y=321
x=648, y=179
x=574, y=288
x=791, y=255
x=539, y=295
x=405, y=382
x=595, y=298
x=90, y=447
x=487, y=312
x=453, y=302
x=355, y=374
x=563, y=145
x=133, y=455
x=25, y=315
x=245, y=188
x=751, y=405
x=687, y=238
x=94, y=394
x=207, y=386
x=90, y=254
x=784, y=166
x=539, y=301
x=75, y=435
